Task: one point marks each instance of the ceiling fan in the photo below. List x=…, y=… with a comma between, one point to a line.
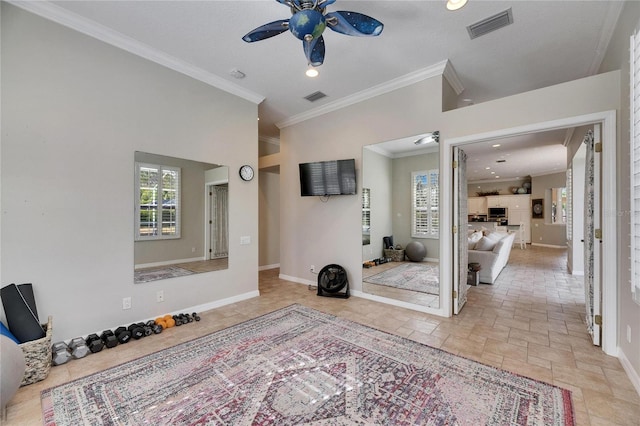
x=308, y=21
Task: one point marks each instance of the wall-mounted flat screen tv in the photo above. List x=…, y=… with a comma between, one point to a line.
x=337, y=177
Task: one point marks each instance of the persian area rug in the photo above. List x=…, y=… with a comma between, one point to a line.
x=420, y=277
x=300, y=366
x=145, y=275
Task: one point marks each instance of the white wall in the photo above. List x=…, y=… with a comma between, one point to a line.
x=74, y=110
x=313, y=232
x=377, y=176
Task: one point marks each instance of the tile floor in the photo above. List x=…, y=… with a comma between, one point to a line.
x=529, y=322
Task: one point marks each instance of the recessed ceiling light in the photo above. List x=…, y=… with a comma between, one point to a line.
x=455, y=4
x=311, y=72
x=497, y=177
x=495, y=145
x=493, y=173
x=487, y=168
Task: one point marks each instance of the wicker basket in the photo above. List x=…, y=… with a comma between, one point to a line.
x=37, y=357
x=394, y=255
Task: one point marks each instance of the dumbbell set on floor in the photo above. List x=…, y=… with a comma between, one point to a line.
x=62, y=352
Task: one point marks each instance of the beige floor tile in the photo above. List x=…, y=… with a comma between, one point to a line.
x=529, y=322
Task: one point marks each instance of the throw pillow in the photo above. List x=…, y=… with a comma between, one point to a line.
x=485, y=244
x=495, y=235
x=473, y=239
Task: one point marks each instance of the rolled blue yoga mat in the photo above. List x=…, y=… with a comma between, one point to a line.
x=4, y=331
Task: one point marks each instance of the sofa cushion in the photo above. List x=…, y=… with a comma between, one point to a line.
x=485, y=244
x=495, y=235
x=474, y=238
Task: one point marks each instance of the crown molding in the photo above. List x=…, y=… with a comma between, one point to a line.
x=608, y=27
x=91, y=28
x=389, y=86
x=451, y=76
x=269, y=139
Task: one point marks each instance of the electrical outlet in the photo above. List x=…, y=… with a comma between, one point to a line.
x=312, y=268
x=193, y=249
x=628, y=334
x=160, y=296
x=126, y=303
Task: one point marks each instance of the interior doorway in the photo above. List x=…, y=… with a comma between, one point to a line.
x=607, y=120
x=217, y=221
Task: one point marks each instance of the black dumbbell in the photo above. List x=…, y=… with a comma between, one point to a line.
x=60, y=353
x=137, y=332
x=109, y=339
x=147, y=329
x=178, y=320
x=122, y=334
x=195, y=316
x=188, y=317
x=155, y=328
x=94, y=343
x=78, y=348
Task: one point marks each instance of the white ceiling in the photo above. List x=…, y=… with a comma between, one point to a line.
x=550, y=42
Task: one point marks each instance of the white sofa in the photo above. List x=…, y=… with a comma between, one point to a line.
x=491, y=251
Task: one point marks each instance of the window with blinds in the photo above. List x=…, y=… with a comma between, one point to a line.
x=634, y=84
x=366, y=216
x=425, y=200
x=158, y=202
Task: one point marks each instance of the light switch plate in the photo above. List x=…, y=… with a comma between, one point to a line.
x=244, y=240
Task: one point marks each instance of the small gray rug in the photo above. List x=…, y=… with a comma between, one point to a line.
x=420, y=277
x=146, y=275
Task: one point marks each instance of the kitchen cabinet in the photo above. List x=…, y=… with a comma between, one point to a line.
x=477, y=205
x=518, y=210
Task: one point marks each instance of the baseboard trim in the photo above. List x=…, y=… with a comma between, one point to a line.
x=267, y=267
x=549, y=245
x=198, y=308
x=628, y=368
x=297, y=280
x=167, y=263
x=399, y=303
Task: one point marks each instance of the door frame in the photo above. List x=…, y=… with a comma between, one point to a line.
x=609, y=198
x=208, y=215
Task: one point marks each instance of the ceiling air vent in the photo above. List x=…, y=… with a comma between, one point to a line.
x=491, y=23
x=315, y=96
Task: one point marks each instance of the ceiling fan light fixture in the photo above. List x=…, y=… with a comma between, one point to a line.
x=455, y=4
x=428, y=138
x=311, y=72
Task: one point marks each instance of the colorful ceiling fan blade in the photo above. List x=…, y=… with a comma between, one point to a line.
x=353, y=23
x=267, y=30
x=314, y=51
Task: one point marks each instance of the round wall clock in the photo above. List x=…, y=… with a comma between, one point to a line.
x=246, y=172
